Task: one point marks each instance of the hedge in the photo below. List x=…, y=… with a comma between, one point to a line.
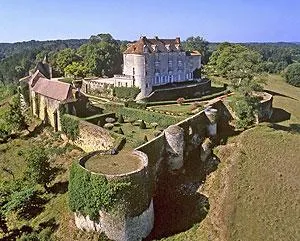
x=126, y=92
x=162, y=119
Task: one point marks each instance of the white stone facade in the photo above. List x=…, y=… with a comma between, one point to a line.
x=153, y=62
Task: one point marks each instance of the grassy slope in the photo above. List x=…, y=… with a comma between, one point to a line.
x=255, y=192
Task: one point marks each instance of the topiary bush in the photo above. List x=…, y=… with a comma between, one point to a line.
x=121, y=119
x=143, y=125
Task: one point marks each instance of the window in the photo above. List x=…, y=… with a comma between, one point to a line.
x=133, y=71
x=157, y=79
x=147, y=85
x=170, y=78
x=146, y=73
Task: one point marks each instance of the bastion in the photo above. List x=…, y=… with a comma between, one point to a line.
x=123, y=202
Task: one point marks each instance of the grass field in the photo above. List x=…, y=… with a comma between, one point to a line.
x=121, y=163
x=255, y=192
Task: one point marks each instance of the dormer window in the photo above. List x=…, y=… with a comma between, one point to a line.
x=178, y=46
x=168, y=47
x=154, y=47
x=146, y=50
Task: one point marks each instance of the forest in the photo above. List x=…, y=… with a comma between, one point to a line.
x=101, y=55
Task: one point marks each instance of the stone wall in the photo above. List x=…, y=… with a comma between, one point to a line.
x=93, y=138
x=265, y=108
x=187, y=92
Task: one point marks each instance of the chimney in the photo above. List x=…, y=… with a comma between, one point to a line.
x=177, y=40
x=156, y=37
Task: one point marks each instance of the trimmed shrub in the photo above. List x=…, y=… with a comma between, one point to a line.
x=121, y=119
x=142, y=125
x=120, y=131
x=145, y=138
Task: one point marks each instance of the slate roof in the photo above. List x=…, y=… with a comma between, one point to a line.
x=53, y=89
x=154, y=45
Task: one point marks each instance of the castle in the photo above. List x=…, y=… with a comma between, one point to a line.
x=149, y=63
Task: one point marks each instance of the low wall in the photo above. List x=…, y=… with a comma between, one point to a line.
x=93, y=138
x=190, y=91
x=100, y=118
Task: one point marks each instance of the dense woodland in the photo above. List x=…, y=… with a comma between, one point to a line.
x=101, y=55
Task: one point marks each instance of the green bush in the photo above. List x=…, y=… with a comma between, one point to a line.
x=245, y=109
x=70, y=126
x=126, y=92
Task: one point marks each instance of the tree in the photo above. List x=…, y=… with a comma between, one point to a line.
x=21, y=201
x=242, y=67
x=102, y=55
x=66, y=57
x=292, y=74
x=38, y=167
x=14, y=116
x=76, y=70
x=199, y=44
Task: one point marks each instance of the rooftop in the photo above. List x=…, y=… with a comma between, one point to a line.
x=53, y=89
x=154, y=45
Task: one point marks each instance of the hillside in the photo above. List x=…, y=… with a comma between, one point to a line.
x=254, y=194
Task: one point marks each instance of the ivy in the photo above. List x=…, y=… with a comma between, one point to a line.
x=70, y=126
x=89, y=193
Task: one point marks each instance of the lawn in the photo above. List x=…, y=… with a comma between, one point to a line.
x=184, y=109
x=135, y=136
x=121, y=163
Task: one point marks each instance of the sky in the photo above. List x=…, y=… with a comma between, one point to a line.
x=215, y=20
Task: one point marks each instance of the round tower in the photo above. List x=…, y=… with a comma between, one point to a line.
x=175, y=145
x=211, y=114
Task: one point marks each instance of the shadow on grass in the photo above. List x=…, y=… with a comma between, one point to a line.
x=59, y=188
x=279, y=115
x=51, y=223
x=292, y=128
x=16, y=233
x=35, y=207
x=279, y=94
